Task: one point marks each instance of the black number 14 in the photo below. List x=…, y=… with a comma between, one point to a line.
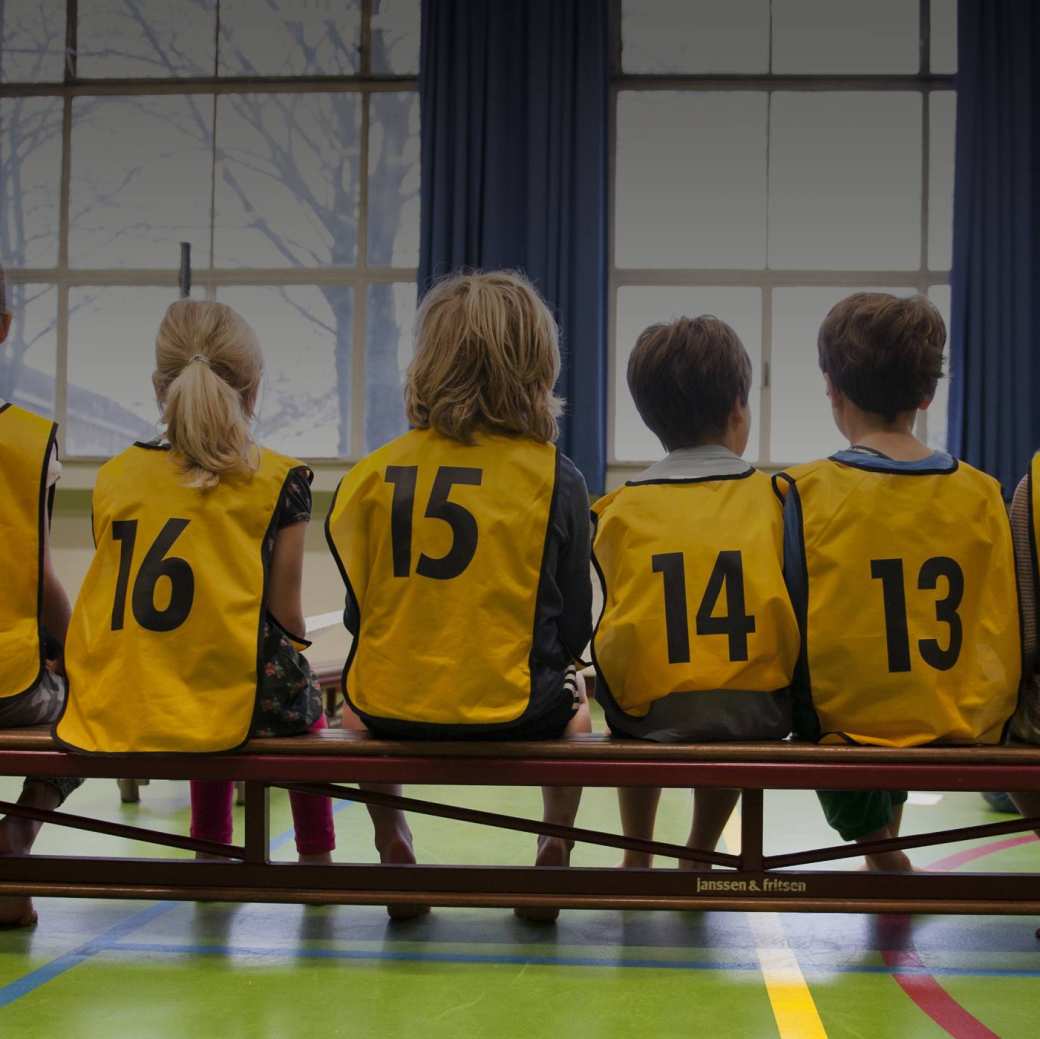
x=736, y=625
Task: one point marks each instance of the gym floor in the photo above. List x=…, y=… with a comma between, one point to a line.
x=150, y=970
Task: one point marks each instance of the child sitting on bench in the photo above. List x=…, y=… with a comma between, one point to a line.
x=464, y=545
x=900, y=565
x=188, y=630
x=697, y=640
x=34, y=612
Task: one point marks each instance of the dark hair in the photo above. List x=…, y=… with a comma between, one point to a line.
x=883, y=352
x=686, y=377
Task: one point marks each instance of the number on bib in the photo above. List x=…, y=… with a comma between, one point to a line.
x=736, y=624
x=893, y=589
x=462, y=522
x=156, y=564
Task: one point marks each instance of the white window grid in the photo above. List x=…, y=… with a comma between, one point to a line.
x=209, y=279
x=766, y=279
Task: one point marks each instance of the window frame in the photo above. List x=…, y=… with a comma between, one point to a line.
x=766, y=279
x=209, y=279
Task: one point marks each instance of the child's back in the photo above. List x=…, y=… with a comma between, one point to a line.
x=698, y=638
x=443, y=545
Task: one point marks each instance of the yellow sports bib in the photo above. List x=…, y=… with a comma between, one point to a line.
x=441, y=545
x=26, y=442
x=164, y=644
x=912, y=628
x=693, y=590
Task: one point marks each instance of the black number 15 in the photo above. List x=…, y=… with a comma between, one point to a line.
x=462, y=522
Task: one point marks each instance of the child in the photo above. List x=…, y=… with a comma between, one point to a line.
x=34, y=611
x=698, y=531
x=900, y=564
x=464, y=545
x=186, y=635
x=1025, y=725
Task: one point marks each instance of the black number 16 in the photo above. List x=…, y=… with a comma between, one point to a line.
x=156, y=564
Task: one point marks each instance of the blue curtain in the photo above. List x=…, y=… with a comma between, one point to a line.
x=995, y=324
x=514, y=102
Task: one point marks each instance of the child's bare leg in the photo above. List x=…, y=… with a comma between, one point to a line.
x=712, y=808
x=560, y=806
x=638, y=805
x=888, y=861
x=393, y=835
x=16, y=838
x=1028, y=803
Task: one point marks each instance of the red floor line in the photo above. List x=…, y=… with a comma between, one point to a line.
x=933, y=999
x=927, y=994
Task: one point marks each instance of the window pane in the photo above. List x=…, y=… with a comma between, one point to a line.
x=938, y=414
x=691, y=180
x=802, y=427
x=305, y=333
x=944, y=36
x=30, y=180
x=32, y=41
x=28, y=357
x=287, y=180
x=643, y=305
x=845, y=36
x=139, y=38
x=388, y=352
x=695, y=36
x=289, y=38
x=111, y=359
x=845, y=181
x=395, y=37
x=141, y=180
x=393, y=180
x=943, y=106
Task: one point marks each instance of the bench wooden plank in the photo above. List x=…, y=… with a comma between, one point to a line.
x=595, y=747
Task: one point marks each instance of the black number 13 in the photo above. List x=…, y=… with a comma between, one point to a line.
x=890, y=573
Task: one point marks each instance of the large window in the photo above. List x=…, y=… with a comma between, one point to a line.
x=279, y=137
x=771, y=157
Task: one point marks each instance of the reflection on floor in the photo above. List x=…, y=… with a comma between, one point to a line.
x=147, y=970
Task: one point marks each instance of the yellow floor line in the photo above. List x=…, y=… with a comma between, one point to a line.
x=793, y=1006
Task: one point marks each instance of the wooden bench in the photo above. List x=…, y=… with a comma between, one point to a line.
x=751, y=879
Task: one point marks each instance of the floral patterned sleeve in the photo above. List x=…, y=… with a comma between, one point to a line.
x=296, y=503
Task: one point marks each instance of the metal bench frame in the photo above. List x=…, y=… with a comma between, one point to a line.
x=750, y=880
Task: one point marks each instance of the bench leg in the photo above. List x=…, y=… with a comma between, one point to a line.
x=130, y=790
x=240, y=793
x=751, y=817
x=258, y=823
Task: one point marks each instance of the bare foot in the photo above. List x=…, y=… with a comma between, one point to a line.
x=888, y=862
x=398, y=850
x=17, y=910
x=552, y=851
x=636, y=860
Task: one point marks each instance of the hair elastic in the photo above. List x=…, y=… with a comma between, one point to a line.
x=200, y=357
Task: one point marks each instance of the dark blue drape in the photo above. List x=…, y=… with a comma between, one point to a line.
x=995, y=324
x=514, y=172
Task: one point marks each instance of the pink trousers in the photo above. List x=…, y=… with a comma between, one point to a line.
x=312, y=816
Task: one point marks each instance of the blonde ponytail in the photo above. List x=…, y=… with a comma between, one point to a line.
x=207, y=373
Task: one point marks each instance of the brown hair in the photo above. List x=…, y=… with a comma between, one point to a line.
x=883, y=352
x=487, y=356
x=207, y=372
x=686, y=377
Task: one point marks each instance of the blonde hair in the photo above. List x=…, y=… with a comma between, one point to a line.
x=487, y=356
x=207, y=372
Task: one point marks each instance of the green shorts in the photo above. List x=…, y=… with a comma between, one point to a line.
x=855, y=813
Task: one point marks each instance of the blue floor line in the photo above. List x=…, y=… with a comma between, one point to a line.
x=521, y=959
x=30, y=982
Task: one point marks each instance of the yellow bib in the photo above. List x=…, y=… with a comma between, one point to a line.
x=164, y=644
x=912, y=628
x=26, y=442
x=693, y=590
x=441, y=545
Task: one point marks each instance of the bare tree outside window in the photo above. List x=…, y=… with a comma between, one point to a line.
x=300, y=197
